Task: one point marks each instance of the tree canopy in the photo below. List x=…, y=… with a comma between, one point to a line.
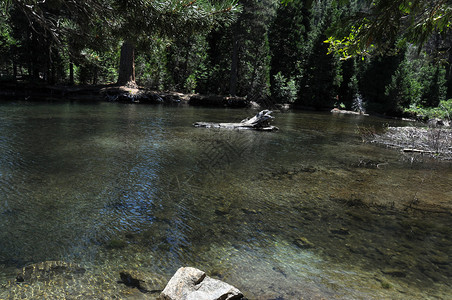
x=267, y=50
x=378, y=25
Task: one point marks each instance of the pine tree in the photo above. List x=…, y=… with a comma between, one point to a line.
x=287, y=36
x=376, y=76
x=139, y=19
x=250, y=65
x=320, y=73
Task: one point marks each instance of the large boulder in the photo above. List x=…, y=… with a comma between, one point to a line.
x=193, y=284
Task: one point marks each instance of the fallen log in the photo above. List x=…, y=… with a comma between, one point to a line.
x=417, y=151
x=261, y=121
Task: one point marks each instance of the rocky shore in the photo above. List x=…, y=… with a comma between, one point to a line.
x=62, y=280
x=114, y=93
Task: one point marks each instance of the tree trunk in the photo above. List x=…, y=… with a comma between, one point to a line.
x=234, y=65
x=95, y=75
x=71, y=73
x=449, y=76
x=14, y=70
x=127, y=64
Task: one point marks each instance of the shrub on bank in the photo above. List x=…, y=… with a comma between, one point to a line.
x=442, y=111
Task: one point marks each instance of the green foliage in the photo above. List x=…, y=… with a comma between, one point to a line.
x=238, y=57
x=287, y=35
x=442, y=111
x=171, y=18
x=185, y=62
x=270, y=48
x=151, y=66
x=320, y=75
x=284, y=89
x=190, y=84
x=214, y=73
x=6, y=38
x=376, y=25
x=375, y=75
x=95, y=67
x=405, y=86
x=347, y=46
x=7, y=44
x=433, y=81
x=253, y=47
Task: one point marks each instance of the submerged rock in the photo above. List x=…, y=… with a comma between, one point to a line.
x=248, y=211
x=193, y=284
x=116, y=244
x=140, y=280
x=222, y=211
x=340, y=231
x=394, y=272
x=47, y=270
x=303, y=243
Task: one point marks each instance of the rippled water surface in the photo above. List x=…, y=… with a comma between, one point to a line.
x=307, y=212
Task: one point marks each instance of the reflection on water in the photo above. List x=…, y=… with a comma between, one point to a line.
x=309, y=211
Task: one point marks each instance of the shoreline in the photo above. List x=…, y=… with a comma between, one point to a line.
x=35, y=92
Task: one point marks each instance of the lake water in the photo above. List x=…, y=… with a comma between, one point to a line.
x=308, y=212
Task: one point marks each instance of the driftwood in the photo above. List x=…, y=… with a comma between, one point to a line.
x=261, y=121
x=417, y=151
x=348, y=112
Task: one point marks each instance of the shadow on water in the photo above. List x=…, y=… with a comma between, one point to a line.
x=309, y=211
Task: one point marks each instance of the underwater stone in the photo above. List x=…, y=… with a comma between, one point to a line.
x=303, y=243
x=116, y=244
x=341, y=231
x=47, y=270
x=140, y=280
x=193, y=284
x=440, y=259
x=248, y=211
x=221, y=211
x=394, y=272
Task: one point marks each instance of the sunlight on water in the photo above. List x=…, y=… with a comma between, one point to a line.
x=307, y=212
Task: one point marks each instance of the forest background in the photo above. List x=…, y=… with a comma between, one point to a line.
x=261, y=49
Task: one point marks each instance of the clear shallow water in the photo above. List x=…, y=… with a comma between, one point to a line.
x=306, y=212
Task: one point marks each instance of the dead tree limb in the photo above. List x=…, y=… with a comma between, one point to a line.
x=261, y=121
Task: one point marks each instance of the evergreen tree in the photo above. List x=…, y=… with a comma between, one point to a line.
x=131, y=20
x=321, y=73
x=348, y=90
x=8, y=47
x=238, y=57
x=405, y=87
x=250, y=57
x=286, y=37
x=138, y=20
x=321, y=77
x=185, y=62
x=216, y=79
x=434, y=85
x=377, y=74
